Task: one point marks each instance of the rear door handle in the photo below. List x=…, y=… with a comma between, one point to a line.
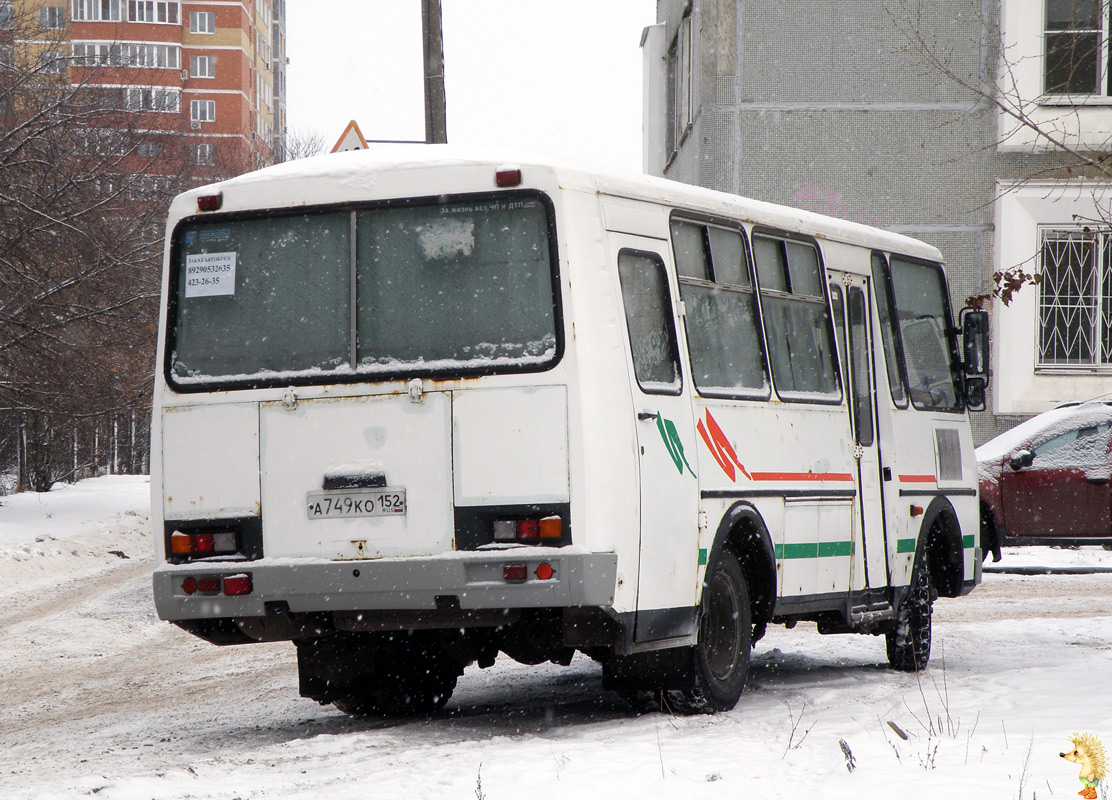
x=646, y=415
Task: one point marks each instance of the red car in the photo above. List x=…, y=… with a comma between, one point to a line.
x=1046, y=481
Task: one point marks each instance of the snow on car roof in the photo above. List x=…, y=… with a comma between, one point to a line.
x=1045, y=425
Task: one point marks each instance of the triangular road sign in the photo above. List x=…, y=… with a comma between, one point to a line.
x=351, y=139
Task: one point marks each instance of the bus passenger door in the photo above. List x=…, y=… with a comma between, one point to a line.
x=665, y=444
x=850, y=300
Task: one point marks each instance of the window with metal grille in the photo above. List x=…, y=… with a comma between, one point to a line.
x=1075, y=299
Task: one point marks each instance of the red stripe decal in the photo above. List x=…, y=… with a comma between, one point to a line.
x=802, y=476
x=917, y=479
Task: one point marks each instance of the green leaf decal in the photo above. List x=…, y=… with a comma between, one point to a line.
x=672, y=443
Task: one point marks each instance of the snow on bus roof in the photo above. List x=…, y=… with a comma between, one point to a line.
x=357, y=170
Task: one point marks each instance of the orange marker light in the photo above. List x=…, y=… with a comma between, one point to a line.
x=552, y=528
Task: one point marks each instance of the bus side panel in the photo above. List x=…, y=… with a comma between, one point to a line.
x=602, y=439
x=803, y=454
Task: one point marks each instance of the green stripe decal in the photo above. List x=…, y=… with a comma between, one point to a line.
x=702, y=556
x=906, y=545
x=969, y=542
x=814, y=550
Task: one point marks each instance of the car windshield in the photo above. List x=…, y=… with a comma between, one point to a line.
x=445, y=288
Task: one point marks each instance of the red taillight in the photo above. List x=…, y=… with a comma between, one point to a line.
x=208, y=585
x=189, y=586
x=210, y=202
x=237, y=584
x=207, y=543
x=528, y=529
x=544, y=572
x=515, y=572
x=507, y=176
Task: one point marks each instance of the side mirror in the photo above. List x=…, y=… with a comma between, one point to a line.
x=1021, y=459
x=976, y=388
x=974, y=334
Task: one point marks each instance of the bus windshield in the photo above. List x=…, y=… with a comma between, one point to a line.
x=923, y=312
x=403, y=290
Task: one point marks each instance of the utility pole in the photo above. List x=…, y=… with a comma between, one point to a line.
x=436, y=114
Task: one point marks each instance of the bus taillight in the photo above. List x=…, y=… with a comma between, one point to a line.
x=550, y=530
x=205, y=543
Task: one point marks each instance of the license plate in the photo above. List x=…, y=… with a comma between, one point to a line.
x=355, y=503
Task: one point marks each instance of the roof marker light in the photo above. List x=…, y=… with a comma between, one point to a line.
x=507, y=176
x=210, y=202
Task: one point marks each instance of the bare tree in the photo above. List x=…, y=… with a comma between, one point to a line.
x=303, y=144
x=86, y=173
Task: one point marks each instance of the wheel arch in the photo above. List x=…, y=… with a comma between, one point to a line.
x=940, y=547
x=743, y=529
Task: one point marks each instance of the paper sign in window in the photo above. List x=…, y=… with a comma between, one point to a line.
x=210, y=274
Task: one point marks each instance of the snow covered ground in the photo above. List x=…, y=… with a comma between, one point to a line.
x=100, y=699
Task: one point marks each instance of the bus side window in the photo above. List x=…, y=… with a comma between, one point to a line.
x=652, y=335
x=888, y=334
x=797, y=323
x=723, y=333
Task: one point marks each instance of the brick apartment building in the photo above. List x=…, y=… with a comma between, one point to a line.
x=209, y=73
x=832, y=106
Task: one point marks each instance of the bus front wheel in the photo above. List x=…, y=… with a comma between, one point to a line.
x=909, y=645
x=719, y=662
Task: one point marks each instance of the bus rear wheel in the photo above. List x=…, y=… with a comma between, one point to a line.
x=719, y=662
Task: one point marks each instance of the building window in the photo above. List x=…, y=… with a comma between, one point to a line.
x=204, y=154
x=202, y=22
x=98, y=10
x=52, y=17
x=202, y=66
x=1075, y=299
x=680, y=66
x=202, y=110
x=149, y=150
x=5, y=15
x=166, y=11
x=52, y=62
x=1076, y=47
x=152, y=99
x=7, y=55
x=121, y=54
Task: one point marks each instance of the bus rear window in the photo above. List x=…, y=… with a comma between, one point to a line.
x=408, y=290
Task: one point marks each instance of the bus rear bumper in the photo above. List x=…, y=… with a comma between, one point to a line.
x=465, y=581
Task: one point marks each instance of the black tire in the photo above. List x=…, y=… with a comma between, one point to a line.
x=408, y=682
x=909, y=646
x=719, y=663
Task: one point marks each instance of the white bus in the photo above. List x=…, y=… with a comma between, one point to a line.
x=417, y=406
